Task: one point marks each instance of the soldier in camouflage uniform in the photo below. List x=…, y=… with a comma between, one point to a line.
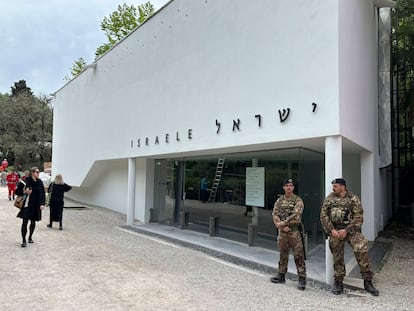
x=287, y=216
x=341, y=218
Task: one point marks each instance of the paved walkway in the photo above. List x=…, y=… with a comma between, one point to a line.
x=90, y=265
x=96, y=263
x=261, y=258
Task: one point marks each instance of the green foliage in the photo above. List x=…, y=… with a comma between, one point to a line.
x=121, y=22
x=76, y=69
x=102, y=50
x=116, y=27
x=403, y=42
x=405, y=16
x=21, y=88
x=403, y=62
x=26, y=129
x=145, y=11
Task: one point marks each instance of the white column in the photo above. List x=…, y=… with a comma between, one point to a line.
x=131, y=191
x=368, y=191
x=333, y=169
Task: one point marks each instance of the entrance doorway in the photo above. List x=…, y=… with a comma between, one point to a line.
x=169, y=191
x=178, y=190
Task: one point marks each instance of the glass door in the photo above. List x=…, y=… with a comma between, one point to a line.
x=168, y=191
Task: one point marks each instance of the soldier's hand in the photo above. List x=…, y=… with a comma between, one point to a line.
x=279, y=225
x=286, y=229
x=342, y=234
x=335, y=234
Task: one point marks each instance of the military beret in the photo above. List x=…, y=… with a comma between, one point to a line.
x=288, y=181
x=340, y=181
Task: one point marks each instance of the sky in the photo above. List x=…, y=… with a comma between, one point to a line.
x=41, y=39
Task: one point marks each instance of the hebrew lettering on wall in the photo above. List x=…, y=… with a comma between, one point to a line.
x=236, y=125
x=259, y=118
x=284, y=114
x=218, y=126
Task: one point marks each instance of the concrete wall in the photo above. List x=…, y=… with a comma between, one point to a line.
x=358, y=54
x=196, y=62
x=108, y=188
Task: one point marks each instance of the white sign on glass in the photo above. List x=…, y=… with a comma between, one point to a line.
x=255, y=186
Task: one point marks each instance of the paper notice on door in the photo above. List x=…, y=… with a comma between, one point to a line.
x=255, y=186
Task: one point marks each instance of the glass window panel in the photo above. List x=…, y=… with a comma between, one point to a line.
x=229, y=184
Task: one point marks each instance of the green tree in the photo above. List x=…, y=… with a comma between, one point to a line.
x=77, y=68
x=403, y=65
x=121, y=22
x=403, y=100
x=403, y=46
x=26, y=129
x=116, y=27
x=21, y=88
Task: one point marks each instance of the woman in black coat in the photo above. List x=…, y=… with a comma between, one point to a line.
x=21, y=186
x=33, y=210
x=57, y=188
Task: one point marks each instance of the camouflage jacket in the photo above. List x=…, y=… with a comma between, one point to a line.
x=342, y=213
x=288, y=211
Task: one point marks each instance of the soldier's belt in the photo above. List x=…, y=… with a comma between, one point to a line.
x=340, y=226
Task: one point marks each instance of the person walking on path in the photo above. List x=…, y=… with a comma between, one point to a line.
x=4, y=164
x=287, y=216
x=3, y=176
x=21, y=189
x=12, y=179
x=36, y=202
x=56, y=191
x=25, y=175
x=341, y=218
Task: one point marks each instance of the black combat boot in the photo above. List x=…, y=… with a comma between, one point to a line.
x=369, y=287
x=280, y=278
x=302, y=283
x=338, y=288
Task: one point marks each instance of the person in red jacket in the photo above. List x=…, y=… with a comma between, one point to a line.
x=12, y=179
x=4, y=164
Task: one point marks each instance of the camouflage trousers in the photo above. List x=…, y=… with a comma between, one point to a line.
x=292, y=240
x=359, y=245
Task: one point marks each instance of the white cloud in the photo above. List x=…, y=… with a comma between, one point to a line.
x=41, y=39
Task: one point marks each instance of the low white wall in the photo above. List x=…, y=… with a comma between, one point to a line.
x=108, y=190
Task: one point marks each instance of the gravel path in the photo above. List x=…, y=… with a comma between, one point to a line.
x=95, y=265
